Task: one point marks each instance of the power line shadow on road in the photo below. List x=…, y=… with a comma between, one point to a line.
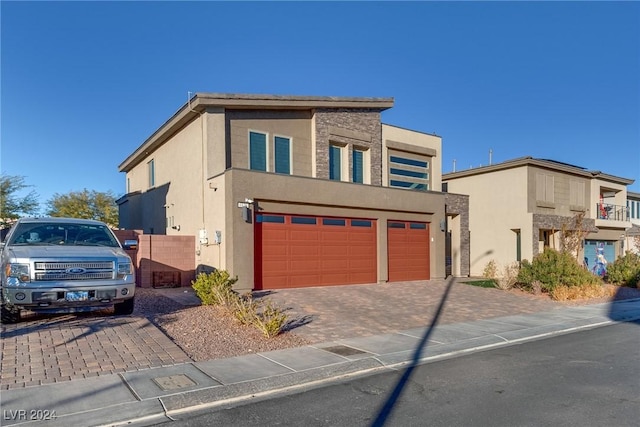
x=389, y=404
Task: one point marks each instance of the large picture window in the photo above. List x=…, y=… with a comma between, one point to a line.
x=409, y=172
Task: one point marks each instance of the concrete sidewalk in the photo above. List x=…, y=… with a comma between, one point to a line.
x=147, y=397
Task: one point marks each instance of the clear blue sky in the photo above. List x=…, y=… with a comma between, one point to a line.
x=85, y=83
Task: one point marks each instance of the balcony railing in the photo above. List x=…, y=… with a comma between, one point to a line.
x=612, y=212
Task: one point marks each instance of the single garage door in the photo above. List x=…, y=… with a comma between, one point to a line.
x=408, y=250
x=294, y=251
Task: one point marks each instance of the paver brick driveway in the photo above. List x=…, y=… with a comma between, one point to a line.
x=65, y=347
x=338, y=312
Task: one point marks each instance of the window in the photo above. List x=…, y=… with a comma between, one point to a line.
x=576, y=193
x=270, y=218
x=258, y=151
x=409, y=162
x=303, y=220
x=395, y=225
x=282, y=154
x=358, y=166
x=151, y=168
x=360, y=223
x=331, y=221
x=408, y=172
x=335, y=163
x=544, y=188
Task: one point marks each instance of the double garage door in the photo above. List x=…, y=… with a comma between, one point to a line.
x=295, y=251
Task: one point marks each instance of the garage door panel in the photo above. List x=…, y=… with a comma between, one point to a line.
x=304, y=250
x=314, y=251
x=408, y=251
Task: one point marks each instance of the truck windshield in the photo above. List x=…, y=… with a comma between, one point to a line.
x=56, y=233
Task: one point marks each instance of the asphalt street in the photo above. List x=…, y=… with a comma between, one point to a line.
x=588, y=378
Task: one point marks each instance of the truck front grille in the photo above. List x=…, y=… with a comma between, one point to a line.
x=91, y=270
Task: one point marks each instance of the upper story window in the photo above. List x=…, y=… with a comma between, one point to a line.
x=360, y=166
x=408, y=172
x=576, y=194
x=335, y=162
x=258, y=151
x=151, y=169
x=282, y=154
x=545, y=189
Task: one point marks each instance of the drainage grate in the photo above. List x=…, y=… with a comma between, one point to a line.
x=174, y=382
x=343, y=350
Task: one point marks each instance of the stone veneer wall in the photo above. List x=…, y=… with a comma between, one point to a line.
x=458, y=204
x=358, y=123
x=555, y=222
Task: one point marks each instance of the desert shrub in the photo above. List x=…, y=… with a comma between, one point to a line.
x=490, y=270
x=244, y=309
x=625, y=270
x=504, y=278
x=536, y=287
x=552, y=268
x=270, y=319
x=508, y=276
x=215, y=288
x=591, y=290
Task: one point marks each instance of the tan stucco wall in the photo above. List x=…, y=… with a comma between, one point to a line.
x=562, y=195
x=290, y=195
x=178, y=180
x=497, y=206
x=292, y=124
x=418, y=139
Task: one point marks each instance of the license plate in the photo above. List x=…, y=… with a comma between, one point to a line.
x=77, y=296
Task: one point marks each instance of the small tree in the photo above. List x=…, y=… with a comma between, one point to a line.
x=573, y=234
x=13, y=205
x=85, y=204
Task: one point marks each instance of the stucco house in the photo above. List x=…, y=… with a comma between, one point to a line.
x=519, y=207
x=293, y=191
x=632, y=241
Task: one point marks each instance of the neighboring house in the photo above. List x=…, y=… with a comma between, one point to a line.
x=632, y=241
x=291, y=191
x=519, y=207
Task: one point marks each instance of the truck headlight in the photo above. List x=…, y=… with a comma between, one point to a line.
x=124, y=269
x=18, y=271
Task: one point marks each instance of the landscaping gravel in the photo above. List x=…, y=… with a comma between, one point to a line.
x=207, y=332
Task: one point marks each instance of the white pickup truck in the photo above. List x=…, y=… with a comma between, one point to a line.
x=56, y=265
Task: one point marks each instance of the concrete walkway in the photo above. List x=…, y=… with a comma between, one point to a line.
x=150, y=396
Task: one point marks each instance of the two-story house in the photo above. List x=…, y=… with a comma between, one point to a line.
x=632, y=241
x=519, y=207
x=292, y=191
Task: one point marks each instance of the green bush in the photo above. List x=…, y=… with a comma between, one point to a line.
x=270, y=319
x=215, y=288
x=552, y=268
x=625, y=270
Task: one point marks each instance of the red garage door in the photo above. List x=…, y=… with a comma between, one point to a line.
x=295, y=251
x=408, y=250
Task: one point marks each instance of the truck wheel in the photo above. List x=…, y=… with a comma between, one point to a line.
x=125, y=307
x=10, y=314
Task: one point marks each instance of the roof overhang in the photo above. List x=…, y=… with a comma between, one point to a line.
x=542, y=163
x=200, y=102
